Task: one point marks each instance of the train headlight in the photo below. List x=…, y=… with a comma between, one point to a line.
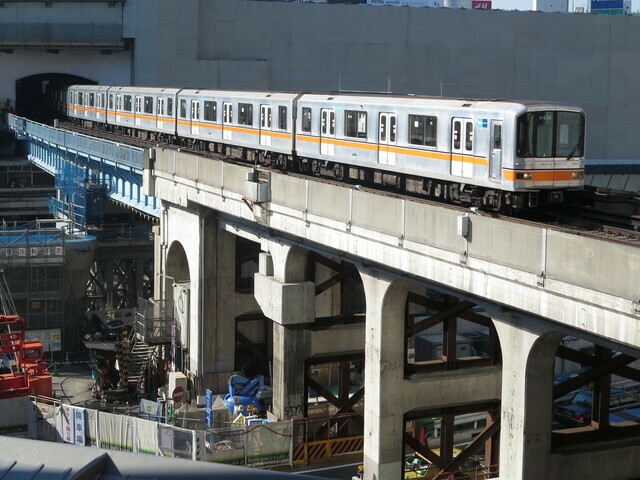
x=577, y=175
x=523, y=176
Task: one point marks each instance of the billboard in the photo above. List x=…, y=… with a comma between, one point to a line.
x=607, y=7
x=50, y=338
x=481, y=5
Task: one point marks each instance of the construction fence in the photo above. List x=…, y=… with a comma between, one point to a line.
x=259, y=445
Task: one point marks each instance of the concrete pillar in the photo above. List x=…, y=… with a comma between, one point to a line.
x=290, y=350
x=528, y=352
x=219, y=298
x=384, y=372
x=287, y=299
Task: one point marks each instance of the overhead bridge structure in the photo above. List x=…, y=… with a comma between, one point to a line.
x=303, y=273
x=88, y=171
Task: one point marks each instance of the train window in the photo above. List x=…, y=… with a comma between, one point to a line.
x=457, y=132
x=183, y=108
x=306, y=119
x=423, y=130
x=468, y=139
x=92, y=99
x=282, y=118
x=545, y=134
x=228, y=113
x=148, y=104
x=169, y=106
x=569, y=134
x=355, y=124
x=80, y=98
x=245, y=116
x=392, y=129
x=111, y=101
x=210, y=110
x=127, y=103
x=497, y=137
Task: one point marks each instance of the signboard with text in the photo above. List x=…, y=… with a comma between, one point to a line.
x=607, y=7
x=481, y=5
x=50, y=338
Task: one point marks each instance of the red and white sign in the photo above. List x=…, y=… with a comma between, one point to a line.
x=178, y=394
x=481, y=5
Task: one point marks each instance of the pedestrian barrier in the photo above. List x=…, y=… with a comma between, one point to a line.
x=327, y=450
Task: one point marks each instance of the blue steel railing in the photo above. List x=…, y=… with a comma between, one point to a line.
x=116, y=152
x=86, y=163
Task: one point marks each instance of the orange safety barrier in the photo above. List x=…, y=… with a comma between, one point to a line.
x=325, y=450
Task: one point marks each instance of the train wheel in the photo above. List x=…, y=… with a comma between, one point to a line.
x=338, y=172
x=301, y=165
x=315, y=167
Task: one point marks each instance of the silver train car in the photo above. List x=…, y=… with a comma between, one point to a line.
x=484, y=153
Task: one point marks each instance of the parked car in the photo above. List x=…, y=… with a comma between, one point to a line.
x=575, y=410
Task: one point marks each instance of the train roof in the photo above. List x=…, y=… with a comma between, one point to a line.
x=92, y=88
x=438, y=102
x=257, y=94
x=352, y=98
x=149, y=90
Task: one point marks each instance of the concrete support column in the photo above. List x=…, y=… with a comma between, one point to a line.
x=287, y=299
x=384, y=372
x=290, y=350
x=528, y=351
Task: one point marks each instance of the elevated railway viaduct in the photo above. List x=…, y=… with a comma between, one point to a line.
x=535, y=286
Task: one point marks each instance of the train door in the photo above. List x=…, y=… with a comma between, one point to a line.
x=159, y=113
x=265, y=125
x=495, y=159
x=138, y=110
x=327, y=131
x=118, y=108
x=387, y=139
x=98, y=106
x=461, y=147
x=195, y=117
x=227, y=120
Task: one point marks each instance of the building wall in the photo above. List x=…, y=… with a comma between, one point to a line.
x=583, y=59
x=111, y=69
x=588, y=60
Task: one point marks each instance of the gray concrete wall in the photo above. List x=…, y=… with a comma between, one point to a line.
x=589, y=60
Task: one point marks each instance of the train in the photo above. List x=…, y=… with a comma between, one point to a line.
x=490, y=154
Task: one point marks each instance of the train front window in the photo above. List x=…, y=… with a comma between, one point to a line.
x=545, y=134
x=569, y=135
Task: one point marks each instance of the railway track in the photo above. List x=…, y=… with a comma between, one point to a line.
x=590, y=213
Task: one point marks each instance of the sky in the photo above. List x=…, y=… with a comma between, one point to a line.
x=526, y=4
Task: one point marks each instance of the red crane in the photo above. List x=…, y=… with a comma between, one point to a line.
x=26, y=373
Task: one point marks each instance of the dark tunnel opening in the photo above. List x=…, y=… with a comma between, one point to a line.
x=34, y=94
